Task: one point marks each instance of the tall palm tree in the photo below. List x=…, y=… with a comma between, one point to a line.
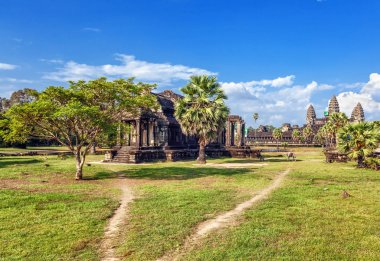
x=202, y=111
x=335, y=122
x=296, y=135
x=277, y=135
x=255, y=117
x=359, y=140
x=307, y=133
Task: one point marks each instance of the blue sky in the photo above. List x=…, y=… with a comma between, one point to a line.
x=274, y=57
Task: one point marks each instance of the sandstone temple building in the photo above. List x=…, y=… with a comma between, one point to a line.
x=157, y=135
x=263, y=135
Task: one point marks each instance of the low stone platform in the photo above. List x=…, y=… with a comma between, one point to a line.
x=335, y=156
x=133, y=155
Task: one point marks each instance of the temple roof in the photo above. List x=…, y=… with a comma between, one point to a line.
x=333, y=105
x=357, y=114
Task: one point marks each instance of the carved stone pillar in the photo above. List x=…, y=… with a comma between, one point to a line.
x=138, y=133
x=228, y=133
x=118, y=135
x=144, y=134
x=151, y=133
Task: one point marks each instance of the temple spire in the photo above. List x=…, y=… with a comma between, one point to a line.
x=357, y=114
x=333, y=105
x=310, y=115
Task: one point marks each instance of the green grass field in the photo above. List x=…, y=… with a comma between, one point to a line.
x=46, y=215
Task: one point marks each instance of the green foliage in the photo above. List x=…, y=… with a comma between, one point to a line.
x=330, y=130
x=307, y=133
x=255, y=116
x=372, y=163
x=359, y=140
x=284, y=145
x=202, y=112
x=277, y=134
x=79, y=115
x=296, y=135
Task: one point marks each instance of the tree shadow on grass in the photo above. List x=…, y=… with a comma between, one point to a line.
x=5, y=162
x=280, y=160
x=172, y=173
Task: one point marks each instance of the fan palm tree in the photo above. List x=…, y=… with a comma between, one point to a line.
x=202, y=111
x=359, y=140
x=296, y=135
x=277, y=135
x=255, y=117
x=307, y=133
x=335, y=123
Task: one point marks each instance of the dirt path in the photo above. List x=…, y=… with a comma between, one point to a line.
x=113, y=227
x=224, y=219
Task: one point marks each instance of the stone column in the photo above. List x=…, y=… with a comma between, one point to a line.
x=144, y=134
x=228, y=134
x=138, y=133
x=118, y=135
x=238, y=133
x=151, y=133
x=242, y=134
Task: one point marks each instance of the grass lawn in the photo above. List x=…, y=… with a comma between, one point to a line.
x=46, y=215
x=307, y=219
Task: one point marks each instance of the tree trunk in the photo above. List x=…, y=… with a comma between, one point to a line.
x=93, y=148
x=202, y=152
x=360, y=161
x=79, y=165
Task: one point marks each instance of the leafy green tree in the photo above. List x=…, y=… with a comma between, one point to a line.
x=296, y=135
x=79, y=115
x=359, y=140
x=277, y=135
x=202, y=112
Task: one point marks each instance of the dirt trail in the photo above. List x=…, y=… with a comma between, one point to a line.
x=224, y=219
x=118, y=219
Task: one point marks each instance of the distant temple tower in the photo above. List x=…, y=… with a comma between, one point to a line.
x=357, y=114
x=310, y=116
x=333, y=105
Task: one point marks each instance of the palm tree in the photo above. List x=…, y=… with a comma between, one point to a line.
x=335, y=123
x=359, y=140
x=307, y=133
x=296, y=135
x=255, y=117
x=277, y=135
x=202, y=111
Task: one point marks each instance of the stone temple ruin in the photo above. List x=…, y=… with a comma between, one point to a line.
x=157, y=135
x=263, y=135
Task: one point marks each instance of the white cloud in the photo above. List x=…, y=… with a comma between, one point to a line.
x=352, y=85
x=326, y=87
x=7, y=66
x=163, y=73
x=92, y=29
x=56, y=61
x=253, y=87
x=368, y=96
x=14, y=80
x=274, y=105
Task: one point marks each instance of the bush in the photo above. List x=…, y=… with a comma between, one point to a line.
x=372, y=163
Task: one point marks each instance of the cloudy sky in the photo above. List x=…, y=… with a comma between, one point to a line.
x=274, y=57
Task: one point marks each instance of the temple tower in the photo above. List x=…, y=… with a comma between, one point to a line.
x=333, y=105
x=357, y=114
x=310, y=116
